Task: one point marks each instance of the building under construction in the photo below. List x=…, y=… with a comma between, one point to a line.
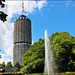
x=22, y=37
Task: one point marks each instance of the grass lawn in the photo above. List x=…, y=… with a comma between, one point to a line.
x=67, y=73
x=36, y=74
x=71, y=73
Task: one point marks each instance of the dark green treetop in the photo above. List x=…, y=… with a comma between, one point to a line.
x=2, y=65
x=33, y=60
x=9, y=64
x=17, y=65
x=62, y=45
x=2, y=14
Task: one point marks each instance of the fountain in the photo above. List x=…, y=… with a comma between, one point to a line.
x=49, y=63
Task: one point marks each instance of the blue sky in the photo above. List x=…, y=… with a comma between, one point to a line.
x=59, y=17
x=51, y=15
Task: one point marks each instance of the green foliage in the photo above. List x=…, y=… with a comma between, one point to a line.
x=9, y=64
x=2, y=14
x=10, y=73
x=33, y=60
x=17, y=65
x=0, y=55
x=63, y=50
x=2, y=65
x=63, y=47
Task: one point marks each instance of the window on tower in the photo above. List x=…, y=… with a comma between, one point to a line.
x=20, y=17
x=23, y=17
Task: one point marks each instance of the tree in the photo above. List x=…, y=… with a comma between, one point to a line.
x=63, y=48
x=0, y=55
x=2, y=5
x=33, y=59
x=9, y=64
x=2, y=65
x=62, y=45
x=17, y=65
x=2, y=14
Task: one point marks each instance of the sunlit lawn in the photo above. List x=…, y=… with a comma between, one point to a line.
x=67, y=73
x=36, y=74
x=71, y=73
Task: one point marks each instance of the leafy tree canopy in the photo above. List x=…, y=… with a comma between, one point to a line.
x=64, y=51
x=2, y=14
x=33, y=60
x=9, y=64
x=2, y=65
x=0, y=55
x=17, y=65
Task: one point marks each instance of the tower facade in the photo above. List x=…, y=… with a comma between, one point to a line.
x=22, y=38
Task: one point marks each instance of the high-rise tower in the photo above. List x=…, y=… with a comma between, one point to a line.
x=22, y=37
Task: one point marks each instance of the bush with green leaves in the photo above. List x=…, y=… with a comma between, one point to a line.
x=9, y=64
x=2, y=65
x=17, y=65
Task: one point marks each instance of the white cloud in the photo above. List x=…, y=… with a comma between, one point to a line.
x=6, y=37
x=1, y=41
x=67, y=4
x=26, y=14
x=9, y=51
x=66, y=8
x=41, y=4
x=5, y=59
x=14, y=7
x=29, y=6
x=52, y=5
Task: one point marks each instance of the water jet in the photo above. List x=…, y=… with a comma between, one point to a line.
x=49, y=62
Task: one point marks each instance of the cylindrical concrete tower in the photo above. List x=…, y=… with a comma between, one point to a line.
x=22, y=37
